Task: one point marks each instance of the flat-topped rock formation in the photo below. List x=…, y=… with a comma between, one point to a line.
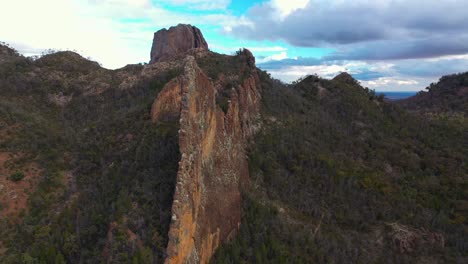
x=168, y=43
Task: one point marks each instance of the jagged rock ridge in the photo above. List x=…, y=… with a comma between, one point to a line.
x=216, y=108
x=207, y=207
x=177, y=40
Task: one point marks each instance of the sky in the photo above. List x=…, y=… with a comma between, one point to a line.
x=388, y=45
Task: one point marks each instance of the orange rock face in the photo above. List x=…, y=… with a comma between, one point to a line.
x=207, y=203
x=177, y=40
x=170, y=98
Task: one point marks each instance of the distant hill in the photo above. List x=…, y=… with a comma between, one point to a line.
x=396, y=95
x=450, y=94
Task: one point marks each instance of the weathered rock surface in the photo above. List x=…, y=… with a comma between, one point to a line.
x=171, y=95
x=174, y=41
x=207, y=202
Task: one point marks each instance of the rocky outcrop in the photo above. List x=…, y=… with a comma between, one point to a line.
x=167, y=106
x=207, y=202
x=174, y=41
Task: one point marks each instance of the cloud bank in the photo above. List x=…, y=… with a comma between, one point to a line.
x=380, y=29
x=387, y=44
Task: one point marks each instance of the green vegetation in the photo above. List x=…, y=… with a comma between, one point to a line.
x=17, y=176
x=345, y=165
x=337, y=173
x=108, y=173
x=231, y=71
x=235, y=68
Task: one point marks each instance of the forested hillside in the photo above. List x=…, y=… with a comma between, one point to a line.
x=102, y=169
x=336, y=174
x=339, y=175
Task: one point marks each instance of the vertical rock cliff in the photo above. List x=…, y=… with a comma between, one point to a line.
x=207, y=208
x=175, y=41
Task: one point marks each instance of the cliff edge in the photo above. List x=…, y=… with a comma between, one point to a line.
x=207, y=201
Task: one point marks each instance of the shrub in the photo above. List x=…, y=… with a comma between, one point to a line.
x=17, y=176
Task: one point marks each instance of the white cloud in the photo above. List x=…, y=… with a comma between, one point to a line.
x=396, y=84
x=449, y=57
x=200, y=4
x=292, y=73
x=113, y=32
x=124, y=3
x=381, y=67
x=275, y=57
x=74, y=25
x=286, y=7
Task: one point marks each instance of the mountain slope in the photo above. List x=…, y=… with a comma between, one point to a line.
x=106, y=174
x=342, y=176
x=142, y=163
x=199, y=153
